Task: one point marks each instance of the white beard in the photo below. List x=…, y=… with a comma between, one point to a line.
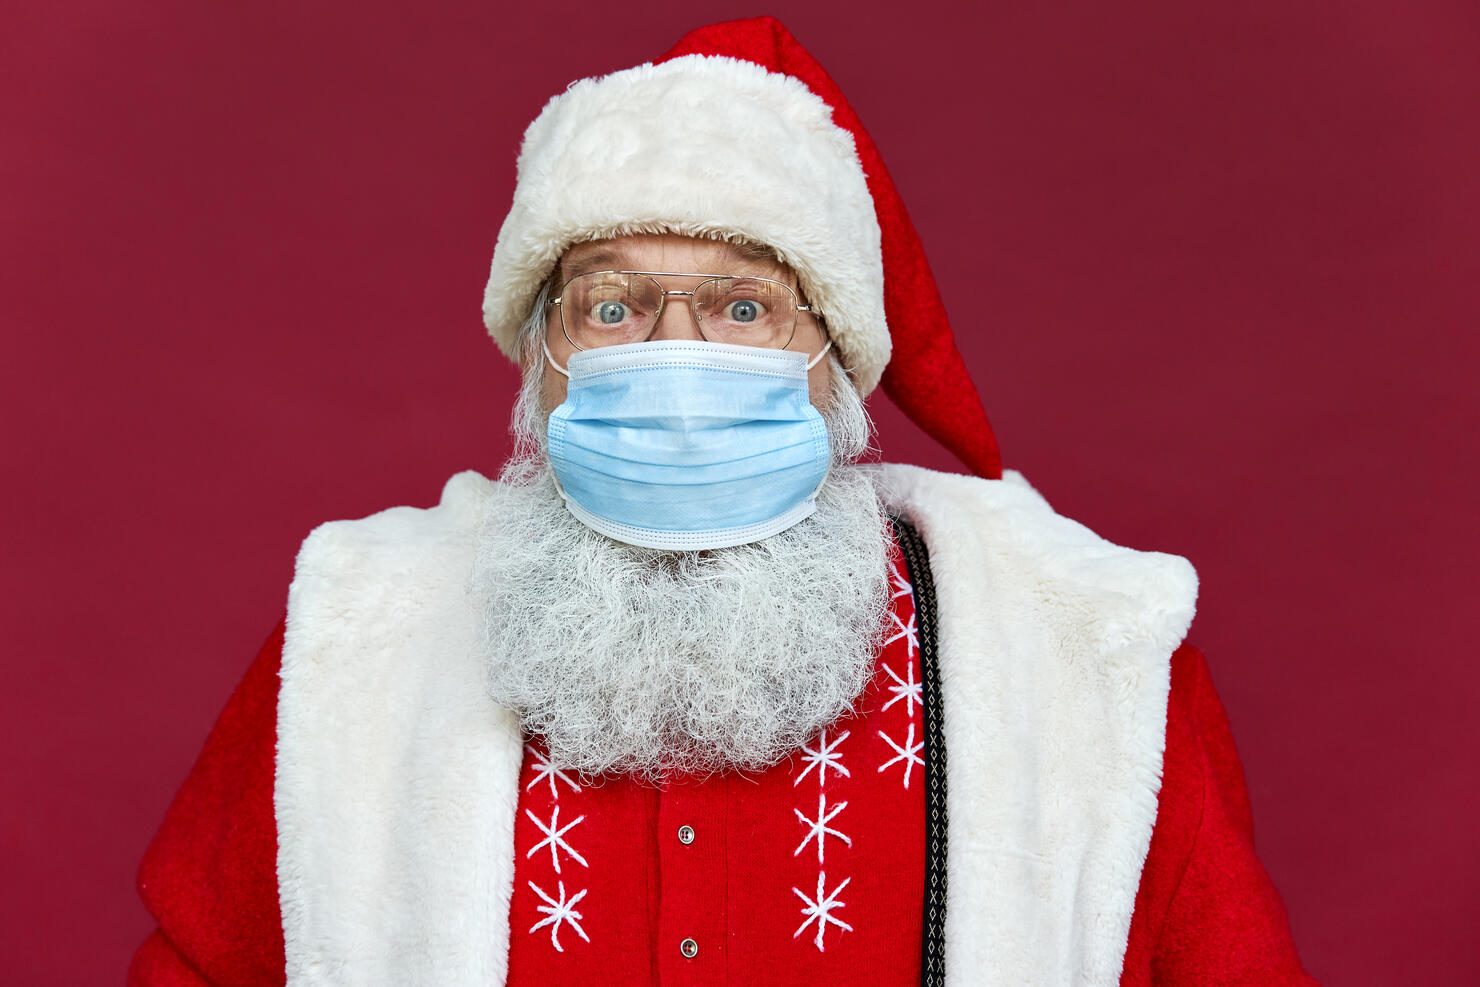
x=651, y=662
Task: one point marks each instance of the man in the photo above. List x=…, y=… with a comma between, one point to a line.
x=688, y=695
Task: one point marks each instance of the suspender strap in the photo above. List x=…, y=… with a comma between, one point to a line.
x=917, y=560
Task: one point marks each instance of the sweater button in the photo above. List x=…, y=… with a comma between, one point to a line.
x=689, y=948
x=685, y=835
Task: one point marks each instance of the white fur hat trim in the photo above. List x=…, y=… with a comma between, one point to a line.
x=702, y=145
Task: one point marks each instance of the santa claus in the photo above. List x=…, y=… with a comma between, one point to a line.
x=689, y=694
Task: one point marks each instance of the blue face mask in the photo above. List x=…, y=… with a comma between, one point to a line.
x=682, y=444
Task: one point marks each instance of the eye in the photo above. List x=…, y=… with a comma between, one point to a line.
x=744, y=310
x=610, y=313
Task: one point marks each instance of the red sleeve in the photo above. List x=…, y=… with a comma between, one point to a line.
x=210, y=876
x=1206, y=911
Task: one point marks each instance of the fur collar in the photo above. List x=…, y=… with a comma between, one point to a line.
x=397, y=782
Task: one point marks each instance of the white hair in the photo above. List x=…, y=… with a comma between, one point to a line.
x=651, y=662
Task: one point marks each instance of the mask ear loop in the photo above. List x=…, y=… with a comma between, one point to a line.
x=545, y=345
x=810, y=364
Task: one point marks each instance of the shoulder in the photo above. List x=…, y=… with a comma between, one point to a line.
x=364, y=582
x=406, y=552
x=409, y=532
x=1002, y=537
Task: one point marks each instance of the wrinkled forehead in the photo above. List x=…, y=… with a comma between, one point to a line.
x=672, y=252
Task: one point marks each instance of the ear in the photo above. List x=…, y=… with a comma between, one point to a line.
x=820, y=381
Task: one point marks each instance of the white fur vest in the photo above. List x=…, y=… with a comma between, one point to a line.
x=397, y=779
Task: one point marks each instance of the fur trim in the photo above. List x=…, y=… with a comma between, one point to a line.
x=704, y=146
x=397, y=784
x=1055, y=650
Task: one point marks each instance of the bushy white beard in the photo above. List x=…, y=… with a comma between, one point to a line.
x=652, y=662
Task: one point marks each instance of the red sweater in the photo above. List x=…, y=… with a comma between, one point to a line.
x=801, y=874
x=1206, y=912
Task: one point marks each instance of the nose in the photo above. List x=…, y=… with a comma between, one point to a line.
x=677, y=319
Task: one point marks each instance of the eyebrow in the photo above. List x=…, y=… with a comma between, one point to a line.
x=595, y=260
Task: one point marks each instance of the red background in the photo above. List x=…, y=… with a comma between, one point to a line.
x=1214, y=268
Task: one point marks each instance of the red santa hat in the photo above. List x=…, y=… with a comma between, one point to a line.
x=737, y=133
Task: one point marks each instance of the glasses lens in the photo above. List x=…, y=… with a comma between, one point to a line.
x=608, y=308
x=747, y=311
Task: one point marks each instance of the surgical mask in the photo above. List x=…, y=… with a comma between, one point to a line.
x=683, y=444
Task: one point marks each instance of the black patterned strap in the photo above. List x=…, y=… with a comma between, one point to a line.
x=917, y=560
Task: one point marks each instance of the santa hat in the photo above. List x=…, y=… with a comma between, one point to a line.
x=737, y=133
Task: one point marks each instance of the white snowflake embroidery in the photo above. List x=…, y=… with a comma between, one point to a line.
x=902, y=586
x=906, y=688
x=819, y=829
x=909, y=753
x=558, y=912
x=824, y=756
x=907, y=631
x=554, y=838
x=820, y=910
x=544, y=770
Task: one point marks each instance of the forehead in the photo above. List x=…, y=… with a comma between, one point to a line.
x=670, y=252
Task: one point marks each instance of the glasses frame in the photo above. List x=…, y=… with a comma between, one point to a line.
x=653, y=276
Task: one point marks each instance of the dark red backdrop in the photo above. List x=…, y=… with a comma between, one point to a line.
x=1214, y=267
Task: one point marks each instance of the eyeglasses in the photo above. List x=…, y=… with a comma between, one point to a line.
x=606, y=308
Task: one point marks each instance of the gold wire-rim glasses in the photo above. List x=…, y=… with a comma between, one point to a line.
x=664, y=294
